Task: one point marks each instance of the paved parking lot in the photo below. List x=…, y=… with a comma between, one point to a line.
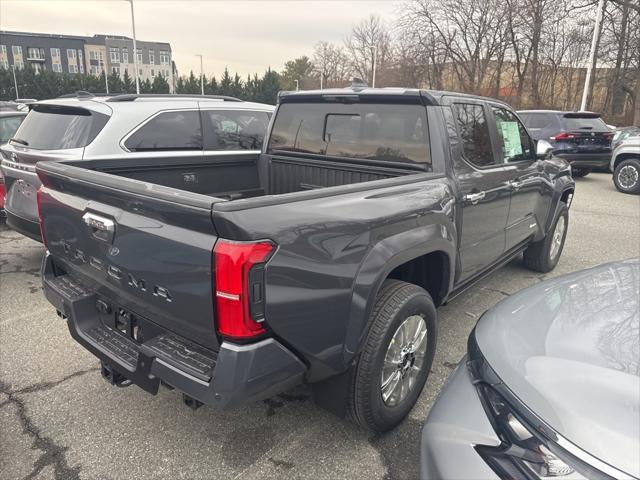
x=59, y=419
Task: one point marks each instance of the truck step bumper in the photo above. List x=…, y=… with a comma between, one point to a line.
x=234, y=375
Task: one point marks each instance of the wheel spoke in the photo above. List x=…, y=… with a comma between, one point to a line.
x=390, y=386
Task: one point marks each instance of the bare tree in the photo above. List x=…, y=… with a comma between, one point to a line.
x=369, y=42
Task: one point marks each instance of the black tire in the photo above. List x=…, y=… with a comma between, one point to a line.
x=396, y=302
x=580, y=172
x=538, y=256
x=626, y=176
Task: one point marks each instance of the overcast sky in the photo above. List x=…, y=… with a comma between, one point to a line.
x=246, y=36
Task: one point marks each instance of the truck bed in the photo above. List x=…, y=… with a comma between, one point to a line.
x=239, y=176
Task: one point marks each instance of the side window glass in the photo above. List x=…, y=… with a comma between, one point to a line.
x=235, y=130
x=516, y=146
x=474, y=134
x=168, y=131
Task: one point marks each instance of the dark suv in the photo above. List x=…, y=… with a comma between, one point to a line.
x=581, y=138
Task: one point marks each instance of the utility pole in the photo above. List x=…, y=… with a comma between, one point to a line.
x=201, y=76
x=375, y=61
x=135, y=48
x=592, y=55
x=15, y=82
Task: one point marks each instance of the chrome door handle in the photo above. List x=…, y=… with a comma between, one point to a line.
x=474, y=198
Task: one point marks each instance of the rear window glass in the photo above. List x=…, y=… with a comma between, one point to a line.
x=396, y=133
x=9, y=126
x=178, y=130
x=536, y=120
x=57, y=128
x=581, y=123
x=235, y=130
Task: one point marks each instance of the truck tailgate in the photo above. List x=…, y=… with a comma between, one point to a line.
x=145, y=250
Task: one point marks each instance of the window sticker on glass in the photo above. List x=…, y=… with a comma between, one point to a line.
x=510, y=138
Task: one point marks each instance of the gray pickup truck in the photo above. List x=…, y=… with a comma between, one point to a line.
x=321, y=260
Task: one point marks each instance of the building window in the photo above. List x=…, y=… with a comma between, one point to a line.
x=3, y=49
x=81, y=61
x=16, y=50
x=152, y=57
x=4, y=64
x=71, y=53
x=164, y=57
x=35, y=53
x=37, y=67
x=56, y=67
x=115, y=70
x=93, y=55
x=139, y=55
x=114, y=54
x=95, y=70
x=125, y=55
x=19, y=64
x=140, y=72
x=73, y=68
x=153, y=73
x=55, y=53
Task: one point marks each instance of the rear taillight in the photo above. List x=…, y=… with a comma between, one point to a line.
x=563, y=136
x=239, y=287
x=38, y=197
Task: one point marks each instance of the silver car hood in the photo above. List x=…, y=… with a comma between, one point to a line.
x=569, y=349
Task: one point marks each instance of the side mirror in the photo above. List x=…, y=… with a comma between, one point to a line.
x=543, y=149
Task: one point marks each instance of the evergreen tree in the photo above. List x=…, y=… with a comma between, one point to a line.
x=269, y=87
x=115, y=83
x=128, y=85
x=212, y=87
x=145, y=87
x=160, y=85
x=236, y=87
x=180, y=86
x=226, y=84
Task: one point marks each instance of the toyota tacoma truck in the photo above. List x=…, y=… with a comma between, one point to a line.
x=320, y=260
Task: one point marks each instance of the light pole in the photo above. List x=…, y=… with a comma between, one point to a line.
x=135, y=48
x=201, y=76
x=592, y=55
x=375, y=61
x=297, y=84
x=15, y=82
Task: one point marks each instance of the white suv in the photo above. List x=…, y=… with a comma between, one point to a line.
x=88, y=127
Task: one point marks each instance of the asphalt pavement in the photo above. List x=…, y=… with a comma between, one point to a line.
x=59, y=419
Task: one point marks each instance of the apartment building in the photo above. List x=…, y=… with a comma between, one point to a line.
x=153, y=58
x=58, y=53
x=77, y=54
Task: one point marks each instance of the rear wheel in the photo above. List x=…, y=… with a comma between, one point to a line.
x=395, y=361
x=543, y=256
x=580, y=172
x=626, y=176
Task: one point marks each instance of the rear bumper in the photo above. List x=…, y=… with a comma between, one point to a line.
x=22, y=225
x=586, y=160
x=234, y=375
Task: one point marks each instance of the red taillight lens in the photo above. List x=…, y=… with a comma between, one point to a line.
x=239, y=285
x=564, y=136
x=38, y=197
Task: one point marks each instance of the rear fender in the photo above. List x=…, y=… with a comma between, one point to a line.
x=381, y=260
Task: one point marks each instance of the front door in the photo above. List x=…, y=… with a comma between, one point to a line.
x=483, y=186
x=530, y=192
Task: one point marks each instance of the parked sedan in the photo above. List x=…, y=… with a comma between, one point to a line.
x=550, y=386
x=10, y=120
x=580, y=138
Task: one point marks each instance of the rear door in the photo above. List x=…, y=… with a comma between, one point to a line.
x=483, y=189
x=144, y=249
